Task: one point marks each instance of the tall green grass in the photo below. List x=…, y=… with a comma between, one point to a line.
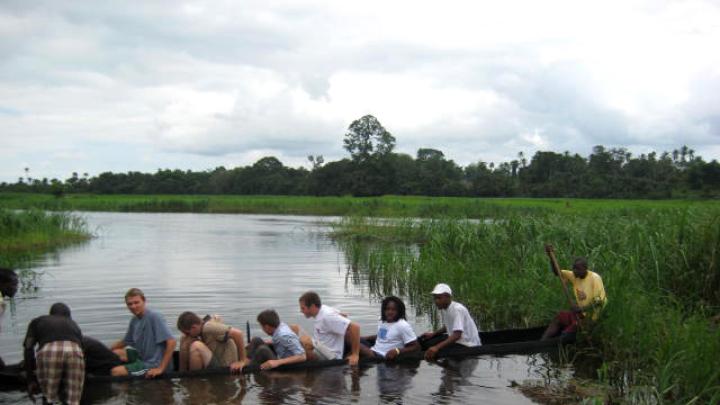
x=25, y=234
x=660, y=269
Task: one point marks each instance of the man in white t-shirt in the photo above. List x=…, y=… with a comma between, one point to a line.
x=457, y=323
x=331, y=330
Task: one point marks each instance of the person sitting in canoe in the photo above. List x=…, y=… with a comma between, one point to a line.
x=331, y=331
x=457, y=323
x=395, y=335
x=589, y=294
x=148, y=345
x=99, y=359
x=286, y=346
x=210, y=343
x=59, y=356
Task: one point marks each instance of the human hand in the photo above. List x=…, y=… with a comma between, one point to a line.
x=353, y=359
x=392, y=354
x=154, y=372
x=237, y=366
x=431, y=353
x=270, y=364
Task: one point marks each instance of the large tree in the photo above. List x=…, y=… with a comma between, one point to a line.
x=367, y=138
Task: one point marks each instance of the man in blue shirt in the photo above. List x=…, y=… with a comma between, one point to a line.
x=148, y=345
x=285, y=342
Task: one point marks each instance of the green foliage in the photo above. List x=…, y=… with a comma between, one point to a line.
x=24, y=234
x=659, y=266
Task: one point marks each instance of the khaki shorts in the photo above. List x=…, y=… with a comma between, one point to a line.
x=323, y=352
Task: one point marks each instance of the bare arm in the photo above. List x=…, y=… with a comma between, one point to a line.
x=120, y=344
x=239, y=338
x=298, y=358
x=452, y=338
x=167, y=357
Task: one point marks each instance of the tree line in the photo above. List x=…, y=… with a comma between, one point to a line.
x=373, y=168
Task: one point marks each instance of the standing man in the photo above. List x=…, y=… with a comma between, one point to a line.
x=590, y=297
x=210, y=344
x=332, y=331
x=59, y=355
x=457, y=323
x=148, y=345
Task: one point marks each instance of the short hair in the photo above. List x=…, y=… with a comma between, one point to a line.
x=60, y=309
x=134, y=292
x=580, y=261
x=186, y=320
x=269, y=317
x=8, y=282
x=398, y=303
x=7, y=275
x=310, y=298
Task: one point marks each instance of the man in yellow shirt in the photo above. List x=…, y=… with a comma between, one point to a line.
x=589, y=298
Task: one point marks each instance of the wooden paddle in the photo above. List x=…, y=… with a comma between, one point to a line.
x=556, y=267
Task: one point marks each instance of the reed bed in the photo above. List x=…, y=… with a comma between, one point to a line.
x=24, y=234
x=660, y=268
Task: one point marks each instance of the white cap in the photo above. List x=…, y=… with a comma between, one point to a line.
x=441, y=289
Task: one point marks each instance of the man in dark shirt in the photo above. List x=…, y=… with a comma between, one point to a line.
x=59, y=354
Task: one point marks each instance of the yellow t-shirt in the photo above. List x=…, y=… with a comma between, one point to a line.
x=588, y=290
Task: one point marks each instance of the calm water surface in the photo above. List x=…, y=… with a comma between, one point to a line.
x=237, y=265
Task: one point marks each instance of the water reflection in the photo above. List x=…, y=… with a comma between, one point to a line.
x=237, y=265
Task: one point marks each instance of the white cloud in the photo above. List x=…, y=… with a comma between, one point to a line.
x=100, y=86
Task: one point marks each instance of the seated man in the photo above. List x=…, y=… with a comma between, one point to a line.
x=59, y=355
x=148, y=345
x=331, y=331
x=286, y=344
x=457, y=323
x=589, y=298
x=210, y=344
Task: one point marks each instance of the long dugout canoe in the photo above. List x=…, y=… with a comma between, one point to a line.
x=501, y=342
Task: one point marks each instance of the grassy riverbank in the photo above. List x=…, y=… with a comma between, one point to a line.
x=660, y=267
x=25, y=234
x=387, y=206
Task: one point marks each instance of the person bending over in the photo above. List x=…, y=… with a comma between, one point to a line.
x=210, y=343
x=286, y=346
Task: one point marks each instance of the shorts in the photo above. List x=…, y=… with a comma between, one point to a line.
x=135, y=365
x=323, y=352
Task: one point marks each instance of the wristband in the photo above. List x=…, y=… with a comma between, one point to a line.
x=397, y=350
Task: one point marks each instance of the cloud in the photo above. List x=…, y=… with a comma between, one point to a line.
x=101, y=86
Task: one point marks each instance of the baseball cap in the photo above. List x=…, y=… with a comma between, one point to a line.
x=441, y=289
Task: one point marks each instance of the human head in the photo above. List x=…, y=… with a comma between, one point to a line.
x=269, y=320
x=60, y=309
x=135, y=301
x=580, y=267
x=189, y=323
x=310, y=304
x=8, y=282
x=442, y=295
x=392, y=309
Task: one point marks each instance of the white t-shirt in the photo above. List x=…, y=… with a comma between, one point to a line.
x=456, y=317
x=393, y=335
x=330, y=329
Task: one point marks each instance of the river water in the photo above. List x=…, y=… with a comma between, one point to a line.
x=236, y=266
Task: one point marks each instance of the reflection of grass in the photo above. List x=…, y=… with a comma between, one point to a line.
x=660, y=266
x=24, y=234
x=388, y=206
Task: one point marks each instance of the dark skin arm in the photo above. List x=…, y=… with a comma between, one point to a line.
x=413, y=346
x=452, y=338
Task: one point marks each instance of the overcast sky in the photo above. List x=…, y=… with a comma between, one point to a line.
x=93, y=86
